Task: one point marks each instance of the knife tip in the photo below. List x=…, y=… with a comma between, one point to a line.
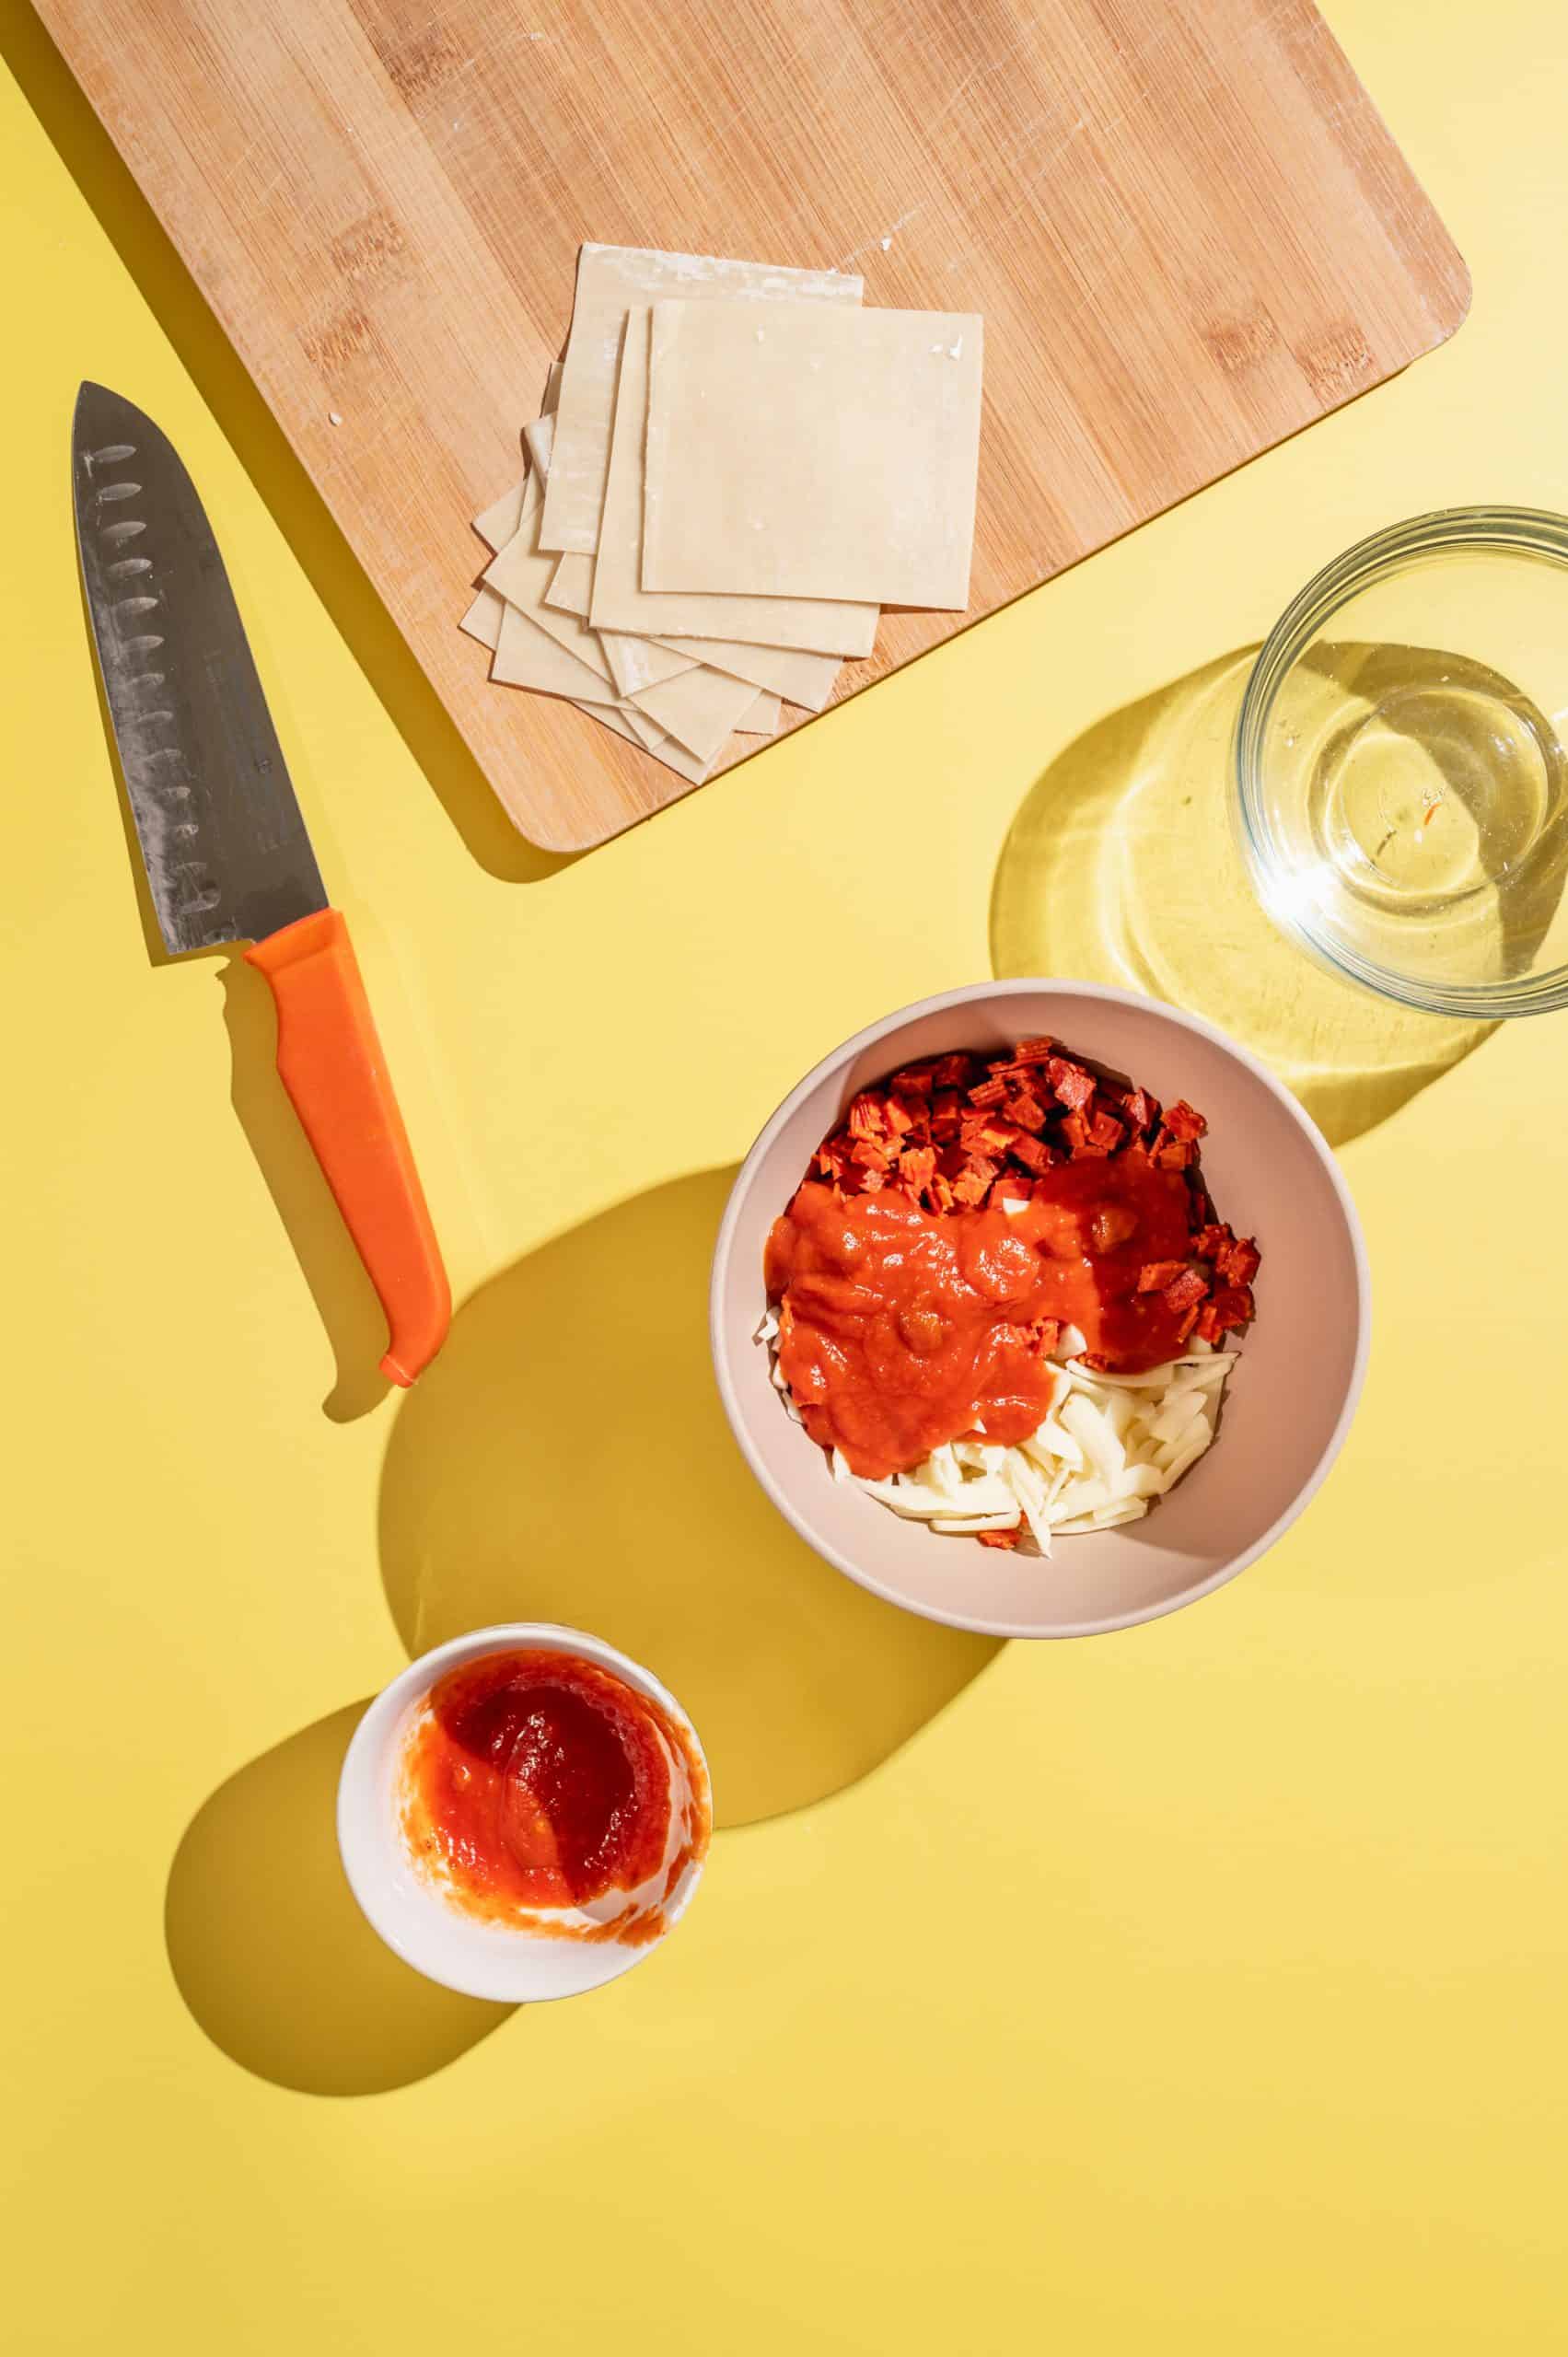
x=94, y=397
x=89, y=396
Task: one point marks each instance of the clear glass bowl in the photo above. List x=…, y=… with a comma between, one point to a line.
x=1402, y=781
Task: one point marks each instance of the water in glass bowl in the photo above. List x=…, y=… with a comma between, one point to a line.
x=1412, y=777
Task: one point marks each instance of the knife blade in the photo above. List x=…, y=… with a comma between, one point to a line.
x=224, y=847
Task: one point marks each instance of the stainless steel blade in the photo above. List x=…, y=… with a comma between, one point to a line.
x=226, y=854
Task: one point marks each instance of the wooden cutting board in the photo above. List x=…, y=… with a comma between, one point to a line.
x=1187, y=227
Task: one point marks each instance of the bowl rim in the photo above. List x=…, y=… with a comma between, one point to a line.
x=1524, y=531
x=362, y=1851
x=1092, y=993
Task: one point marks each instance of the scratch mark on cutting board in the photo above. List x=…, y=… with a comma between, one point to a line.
x=985, y=72
x=969, y=195
x=882, y=242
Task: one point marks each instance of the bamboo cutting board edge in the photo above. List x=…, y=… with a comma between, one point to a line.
x=1135, y=403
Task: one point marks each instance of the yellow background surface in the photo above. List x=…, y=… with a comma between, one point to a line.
x=1195, y=1988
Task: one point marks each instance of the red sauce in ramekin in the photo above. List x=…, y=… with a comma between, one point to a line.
x=536, y=1782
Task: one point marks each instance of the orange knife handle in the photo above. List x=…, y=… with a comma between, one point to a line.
x=330, y=1063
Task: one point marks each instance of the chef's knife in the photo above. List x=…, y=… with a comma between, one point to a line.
x=227, y=855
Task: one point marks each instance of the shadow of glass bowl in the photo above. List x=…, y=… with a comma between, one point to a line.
x=1122, y=866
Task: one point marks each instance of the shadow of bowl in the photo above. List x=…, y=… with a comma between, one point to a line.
x=567, y=1459
x=1121, y=867
x=271, y=1952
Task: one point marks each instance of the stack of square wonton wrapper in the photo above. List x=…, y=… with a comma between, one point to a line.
x=735, y=468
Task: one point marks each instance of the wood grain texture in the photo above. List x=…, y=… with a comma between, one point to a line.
x=1187, y=227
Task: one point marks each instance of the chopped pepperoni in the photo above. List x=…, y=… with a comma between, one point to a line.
x=1074, y=1085
x=955, y=1132
x=1086, y=1135
x=1232, y=1305
x=973, y=1183
x=985, y=1132
x=1186, y=1292
x=918, y=1167
x=1239, y=1263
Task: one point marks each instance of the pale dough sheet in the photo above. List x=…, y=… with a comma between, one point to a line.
x=537, y=438
x=806, y=450
x=572, y=587
x=652, y=738
x=804, y=680
x=799, y=677
x=721, y=685
x=634, y=663
x=696, y=706
x=664, y=749
x=489, y=617
x=483, y=620
x=525, y=656
x=501, y=518
x=639, y=663
x=609, y=279
x=761, y=720
x=619, y=601
x=522, y=574
x=538, y=435
x=530, y=653
x=700, y=710
x=499, y=524
x=549, y=669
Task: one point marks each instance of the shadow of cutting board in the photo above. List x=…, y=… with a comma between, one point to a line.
x=1187, y=227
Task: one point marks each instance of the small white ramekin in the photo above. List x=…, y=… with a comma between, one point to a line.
x=480, y=1959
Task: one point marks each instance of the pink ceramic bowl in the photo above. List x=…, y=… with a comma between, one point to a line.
x=1288, y=1405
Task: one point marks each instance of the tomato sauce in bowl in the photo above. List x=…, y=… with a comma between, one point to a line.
x=963, y=1215
x=541, y=1792
x=904, y=1329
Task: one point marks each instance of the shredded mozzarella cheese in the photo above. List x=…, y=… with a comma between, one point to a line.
x=1110, y=1446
